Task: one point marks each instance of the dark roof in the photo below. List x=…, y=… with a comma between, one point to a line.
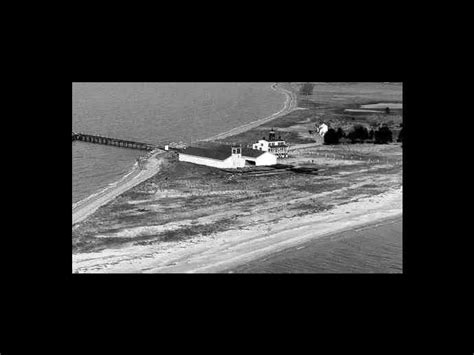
x=253, y=153
x=221, y=152
x=277, y=146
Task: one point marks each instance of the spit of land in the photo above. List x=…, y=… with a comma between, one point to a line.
x=190, y=218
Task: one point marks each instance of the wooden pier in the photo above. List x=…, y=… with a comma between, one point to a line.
x=113, y=141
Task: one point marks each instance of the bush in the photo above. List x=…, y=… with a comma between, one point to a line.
x=400, y=136
x=331, y=137
x=371, y=134
x=358, y=133
x=383, y=135
x=341, y=133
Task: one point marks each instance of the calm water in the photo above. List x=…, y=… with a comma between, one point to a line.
x=155, y=113
x=373, y=249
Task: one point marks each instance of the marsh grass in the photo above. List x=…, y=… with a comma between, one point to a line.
x=318, y=187
x=189, y=231
x=313, y=207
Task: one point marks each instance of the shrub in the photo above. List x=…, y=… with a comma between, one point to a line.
x=400, y=136
x=341, y=133
x=383, y=135
x=371, y=134
x=331, y=137
x=358, y=133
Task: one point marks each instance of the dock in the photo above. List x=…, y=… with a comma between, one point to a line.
x=116, y=142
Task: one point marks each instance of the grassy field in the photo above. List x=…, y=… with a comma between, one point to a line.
x=328, y=104
x=184, y=200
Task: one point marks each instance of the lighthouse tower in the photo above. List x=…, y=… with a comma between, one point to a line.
x=272, y=136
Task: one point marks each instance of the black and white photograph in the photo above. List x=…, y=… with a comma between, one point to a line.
x=237, y=177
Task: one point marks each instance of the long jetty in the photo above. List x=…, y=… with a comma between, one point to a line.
x=113, y=141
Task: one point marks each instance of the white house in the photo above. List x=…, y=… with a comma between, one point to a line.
x=258, y=157
x=323, y=129
x=273, y=145
x=226, y=157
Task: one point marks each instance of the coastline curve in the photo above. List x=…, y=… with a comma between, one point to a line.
x=85, y=207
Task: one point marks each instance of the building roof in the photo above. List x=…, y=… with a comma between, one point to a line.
x=219, y=152
x=253, y=153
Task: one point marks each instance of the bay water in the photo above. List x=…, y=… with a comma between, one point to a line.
x=157, y=113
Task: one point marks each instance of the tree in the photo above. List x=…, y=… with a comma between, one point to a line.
x=340, y=133
x=307, y=89
x=400, y=136
x=383, y=135
x=331, y=137
x=358, y=133
x=371, y=134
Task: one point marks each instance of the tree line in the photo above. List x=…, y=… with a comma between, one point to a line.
x=360, y=134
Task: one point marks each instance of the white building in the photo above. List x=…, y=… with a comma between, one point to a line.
x=323, y=129
x=227, y=157
x=273, y=145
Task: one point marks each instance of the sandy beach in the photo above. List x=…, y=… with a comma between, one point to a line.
x=289, y=105
x=372, y=248
x=82, y=209
x=231, y=248
x=170, y=223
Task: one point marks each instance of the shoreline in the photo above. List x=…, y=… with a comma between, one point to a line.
x=229, y=249
x=85, y=207
x=226, y=250
x=289, y=105
x=321, y=255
